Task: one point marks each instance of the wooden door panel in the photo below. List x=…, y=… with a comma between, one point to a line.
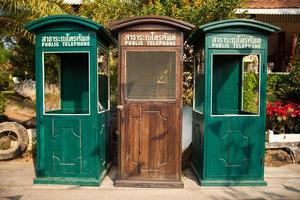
x=131, y=140
x=150, y=142
x=153, y=151
x=150, y=116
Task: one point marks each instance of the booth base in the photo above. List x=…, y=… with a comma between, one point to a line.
x=148, y=184
x=228, y=182
x=67, y=181
x=232, y=183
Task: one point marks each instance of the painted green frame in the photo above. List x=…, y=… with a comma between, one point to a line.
x=89, y=81
x=211, y=145
x=238, y=53
x=92, y=129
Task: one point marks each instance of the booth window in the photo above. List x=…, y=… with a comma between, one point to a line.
x=66, y=83
x=103, y=81
x=150, y=75
x=235, y=84
x=199, y=81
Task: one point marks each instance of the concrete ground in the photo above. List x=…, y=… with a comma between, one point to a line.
x=16, y=183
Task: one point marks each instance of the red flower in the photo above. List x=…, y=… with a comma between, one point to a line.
x=283, y=116
x=270, y=109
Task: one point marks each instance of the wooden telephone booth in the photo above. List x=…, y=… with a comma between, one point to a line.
x=72, y=100
x=150, y=100
x=229, y=107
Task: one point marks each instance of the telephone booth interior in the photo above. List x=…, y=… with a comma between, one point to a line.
x=72, y=100
x=230, y=63
x=150, y=100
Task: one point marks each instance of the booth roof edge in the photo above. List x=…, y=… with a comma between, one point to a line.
x=38, y=24
x=115, y=26
x=239, y=22
x=228, y=23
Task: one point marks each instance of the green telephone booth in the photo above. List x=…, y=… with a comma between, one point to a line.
x=230, y=70
x=72, y=100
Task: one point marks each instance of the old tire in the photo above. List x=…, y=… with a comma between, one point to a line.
x=18, y=137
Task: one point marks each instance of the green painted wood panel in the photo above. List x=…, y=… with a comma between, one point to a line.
x=75, y=83
x=71, y=142
x=237, y=154
x=228, y=144
x=226, y=81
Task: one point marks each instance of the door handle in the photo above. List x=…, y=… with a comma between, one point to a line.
x=120, y=107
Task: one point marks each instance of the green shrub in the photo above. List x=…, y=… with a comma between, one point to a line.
x=275, y=82
x=250, y=92
x=287, y=86
x=23, y=61
x=188, y=88
x=6, y=82
x=2, y=103
x=291, y=89
x=5, y=77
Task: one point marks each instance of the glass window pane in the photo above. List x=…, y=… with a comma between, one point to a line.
x=66, y=83
x=199, y=81
x=103, y=79
x=250, y=84
x=151, y=75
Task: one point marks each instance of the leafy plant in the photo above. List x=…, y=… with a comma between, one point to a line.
x=14, y=14
x=283, y=118
x=6, y=82
x=287, y=86
x=250, y=92
x=2, y=103
x=4, y=56
x=22, y=60
x=188, y=88
x=113, y=79
x=106, y=11
x=292, y=88
x=196, y=12
x=275, y=81
x=5, y=77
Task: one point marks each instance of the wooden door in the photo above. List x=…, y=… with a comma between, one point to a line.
x=150, y=114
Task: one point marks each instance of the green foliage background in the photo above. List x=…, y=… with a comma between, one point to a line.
x=250, y=92
x=286, y=86
x=14, y=14
x=5, y=75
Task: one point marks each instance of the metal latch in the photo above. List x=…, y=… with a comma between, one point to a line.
x=120, y=107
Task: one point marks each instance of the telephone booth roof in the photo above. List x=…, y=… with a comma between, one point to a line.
x=261, y=27
x=61, y=20
x=117, y=26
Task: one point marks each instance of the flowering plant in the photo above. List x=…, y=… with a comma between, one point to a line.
x=283, y=118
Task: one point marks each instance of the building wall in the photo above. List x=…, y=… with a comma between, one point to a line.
x=289, y=24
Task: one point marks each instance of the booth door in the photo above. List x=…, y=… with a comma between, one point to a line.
x=235, y=126
x=150, y=115
x=66, y=122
